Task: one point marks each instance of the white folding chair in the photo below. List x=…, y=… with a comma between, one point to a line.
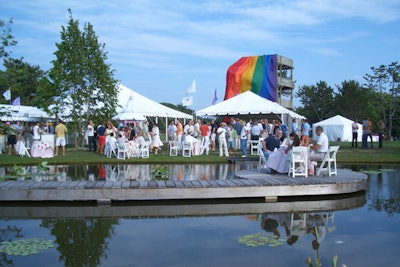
x=263, y=161
x=173, y=148
x=145, y=150
x=205, y=145
x=254, y=147
x=111, y=152
x=122, y=152
x=299, y=161
x=22, y=150
x=330, y=162
x=187, y=149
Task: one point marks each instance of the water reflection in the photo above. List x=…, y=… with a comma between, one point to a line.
x=292, y=226
x=81, y=242
x=138, y=172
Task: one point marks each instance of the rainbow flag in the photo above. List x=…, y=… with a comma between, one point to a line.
x=254, y=73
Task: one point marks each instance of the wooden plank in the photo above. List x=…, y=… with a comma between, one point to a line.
x=135, y=184
x=99, y=184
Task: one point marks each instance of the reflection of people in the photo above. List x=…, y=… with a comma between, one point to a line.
x=102, y=172
x=270, y=225
x=317, y=227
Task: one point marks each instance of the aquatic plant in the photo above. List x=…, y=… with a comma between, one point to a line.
x=25, y=247
x=317, y=261
x=161, y=173
x=257, y=239
x=43, y=167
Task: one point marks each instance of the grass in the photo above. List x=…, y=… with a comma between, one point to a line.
x=389, y=154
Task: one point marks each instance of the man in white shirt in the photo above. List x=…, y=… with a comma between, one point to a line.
x=354, y=128
x=91, y=138
x=223, y=147
x=320, y=148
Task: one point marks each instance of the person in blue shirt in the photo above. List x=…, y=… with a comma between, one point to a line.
x=271, y=142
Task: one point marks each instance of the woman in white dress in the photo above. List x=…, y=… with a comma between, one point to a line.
x=155, y=138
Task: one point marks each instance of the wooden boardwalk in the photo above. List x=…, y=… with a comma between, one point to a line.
x=247, y=184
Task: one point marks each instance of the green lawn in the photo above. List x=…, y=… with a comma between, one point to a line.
x=389, y=154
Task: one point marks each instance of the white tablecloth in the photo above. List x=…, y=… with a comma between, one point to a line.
x=41, y=149
x=277, y=161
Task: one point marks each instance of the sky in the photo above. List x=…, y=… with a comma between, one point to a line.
x=158, y=47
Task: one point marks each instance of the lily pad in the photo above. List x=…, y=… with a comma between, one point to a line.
x=387, y=170
x=257, y=239
x=371, y=171
x=25, y=247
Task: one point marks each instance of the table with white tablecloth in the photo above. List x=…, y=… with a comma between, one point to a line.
x=41, y=149
x=277, y=161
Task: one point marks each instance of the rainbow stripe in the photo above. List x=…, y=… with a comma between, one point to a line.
x=254, y=73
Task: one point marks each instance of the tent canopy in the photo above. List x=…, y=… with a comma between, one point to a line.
x=24, y=113
x=247, y=103
x=338, y=127
x=136, y=106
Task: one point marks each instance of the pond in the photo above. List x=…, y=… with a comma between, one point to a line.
x=360, y=229
x=121, y=172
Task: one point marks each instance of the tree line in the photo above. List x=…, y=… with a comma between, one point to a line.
x=377, y=99
x=81, y=83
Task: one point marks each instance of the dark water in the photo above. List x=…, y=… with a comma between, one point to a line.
x=361, y=229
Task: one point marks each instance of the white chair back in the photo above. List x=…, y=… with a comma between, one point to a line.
x=187, y=149
x=123, y=151
x=330, y=162
x=173, y=148
x=145, y=150
x=254, y=147
x=298, y=161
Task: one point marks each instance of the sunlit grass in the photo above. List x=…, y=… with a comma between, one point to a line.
x=389, y=154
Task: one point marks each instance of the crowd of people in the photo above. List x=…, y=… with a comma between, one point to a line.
x=30, y=134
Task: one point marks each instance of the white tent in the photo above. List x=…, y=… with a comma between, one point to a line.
x=247, y=103
x=23, y=113
x=338, y=127
x=135, y=106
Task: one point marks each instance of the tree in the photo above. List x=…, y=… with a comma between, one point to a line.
x=345, y=103
x=385, y=80
x=317, y=101
x=6, y=40
x=22, y=78
x=6, y=37
x=83, y=84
